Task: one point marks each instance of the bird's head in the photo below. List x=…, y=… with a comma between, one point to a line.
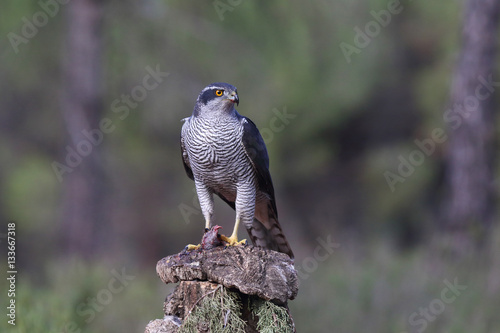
x=217, y=97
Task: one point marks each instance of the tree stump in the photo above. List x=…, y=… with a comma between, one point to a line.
x=234, y=289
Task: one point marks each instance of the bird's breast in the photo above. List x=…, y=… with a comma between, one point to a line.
x=216, y=153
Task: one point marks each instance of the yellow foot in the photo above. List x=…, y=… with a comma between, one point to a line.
x=191, y=247
x=233, y=240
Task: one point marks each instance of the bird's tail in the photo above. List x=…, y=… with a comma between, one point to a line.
x=269, y=235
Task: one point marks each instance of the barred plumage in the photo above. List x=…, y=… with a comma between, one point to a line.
x=224, y=153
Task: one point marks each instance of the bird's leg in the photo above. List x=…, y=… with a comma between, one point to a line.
x=245, y=210
x=233, y=239
x=206, y=199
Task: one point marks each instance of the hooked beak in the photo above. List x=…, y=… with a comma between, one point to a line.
x=234, y=98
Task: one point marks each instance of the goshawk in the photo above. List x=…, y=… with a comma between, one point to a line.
x=224, y=153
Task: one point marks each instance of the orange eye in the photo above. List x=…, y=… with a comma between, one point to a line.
x=219, y=92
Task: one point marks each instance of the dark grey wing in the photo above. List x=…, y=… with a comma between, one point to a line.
x=265, y=230
x=256, y=151
x=185, y=157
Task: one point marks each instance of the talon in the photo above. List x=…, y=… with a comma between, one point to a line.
x=191, y=247
x=233, y=240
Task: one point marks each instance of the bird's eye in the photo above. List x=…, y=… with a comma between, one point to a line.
x=219, y=92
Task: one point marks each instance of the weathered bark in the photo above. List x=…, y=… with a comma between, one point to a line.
x=253, y=273
x=186, y=296
x=252, y=270
x=165, y=325
x=469, y=207
x=84, y=224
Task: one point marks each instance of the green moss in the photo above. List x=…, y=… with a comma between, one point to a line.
x=272, y=318
x=218, y=311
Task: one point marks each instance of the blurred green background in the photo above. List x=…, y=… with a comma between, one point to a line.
x=334, y=124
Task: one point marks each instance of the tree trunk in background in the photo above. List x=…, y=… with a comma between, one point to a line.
x=469, y=208
x=83, y=215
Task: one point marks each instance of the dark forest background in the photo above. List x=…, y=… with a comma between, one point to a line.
x=380, y=119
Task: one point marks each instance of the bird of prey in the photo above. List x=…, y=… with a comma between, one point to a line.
x=224, y=153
